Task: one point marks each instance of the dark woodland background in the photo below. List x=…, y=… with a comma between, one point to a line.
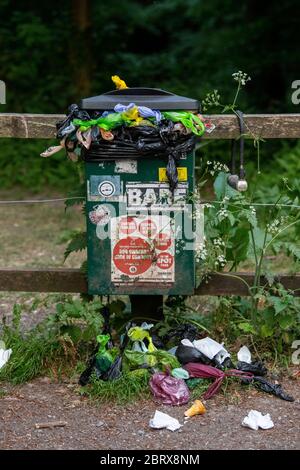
x=53, y=54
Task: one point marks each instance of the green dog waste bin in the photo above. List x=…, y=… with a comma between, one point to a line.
x=138, y=228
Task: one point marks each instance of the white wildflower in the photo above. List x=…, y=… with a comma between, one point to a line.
x=222, y=214
x=241, y=77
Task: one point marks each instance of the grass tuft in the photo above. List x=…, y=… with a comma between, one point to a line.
x=129, y=387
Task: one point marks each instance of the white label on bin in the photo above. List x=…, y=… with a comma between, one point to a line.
x=100, y=215
x=142, y=250
x=126, y=166
x=155, y=196
x=106, y=188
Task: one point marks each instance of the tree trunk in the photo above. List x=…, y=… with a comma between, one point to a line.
x=80, y=48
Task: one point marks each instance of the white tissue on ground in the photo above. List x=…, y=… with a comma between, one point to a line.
x=162, y=420
x=256, y=420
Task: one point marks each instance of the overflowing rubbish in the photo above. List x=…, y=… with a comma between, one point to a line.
x=197, y=408
x=163, y=420
x=176, y=373
x=169, y=390
x=128, y=130
x=244, y=355
x=4, y=354
x=255, y=419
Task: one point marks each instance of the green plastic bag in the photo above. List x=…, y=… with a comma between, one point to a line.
x=159, y=358
x=189, y=120
x=104, y=358
x=107, y=123
x=180, y=373
x=193, y=382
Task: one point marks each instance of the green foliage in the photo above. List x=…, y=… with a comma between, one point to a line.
x=77, y=243
x=31, y=354
x=58, y=342
x=240, y=227
x=129, y=387
x=22, y=166
x=77, y=320
x=47, y=63
x=176, y=312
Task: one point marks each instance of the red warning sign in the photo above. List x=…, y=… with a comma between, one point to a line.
x=162, y=241
x=127, y=225
x=132, y=255
x=148, y=228
x=164, y=260
x=142, y=250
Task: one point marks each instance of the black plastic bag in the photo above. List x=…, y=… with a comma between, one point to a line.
x=105, y=312
x=157, y=341
x=183, y=331
x=86, y=374
x=257, y=368
x=73, y=112
x=139, y=141
x=115, y=369
x=186, y=354
x=263, y=384
x=274, y=389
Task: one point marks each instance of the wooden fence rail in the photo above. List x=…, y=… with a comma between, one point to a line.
x=266, y=126
x=74, y=281
x=42, y=126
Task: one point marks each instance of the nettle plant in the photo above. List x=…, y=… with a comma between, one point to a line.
x=241, y=228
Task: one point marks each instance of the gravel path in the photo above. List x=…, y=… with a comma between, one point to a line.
x=126, y=427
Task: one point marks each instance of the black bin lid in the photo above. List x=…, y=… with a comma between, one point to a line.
x=154, y=98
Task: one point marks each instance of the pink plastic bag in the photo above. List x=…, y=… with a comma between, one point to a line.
x=208, y=372
x=170, y=390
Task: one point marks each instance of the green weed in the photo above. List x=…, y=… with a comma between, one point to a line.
x=127, y=388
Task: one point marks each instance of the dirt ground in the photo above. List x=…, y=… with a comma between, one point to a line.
x=34, y=236
x=127, y=427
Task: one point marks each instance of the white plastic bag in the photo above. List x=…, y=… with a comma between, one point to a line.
x=244, y=355
x=4, y=356
x=211, y=349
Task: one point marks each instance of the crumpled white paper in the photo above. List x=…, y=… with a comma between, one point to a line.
x=211, y=349
x=256, y=420
x=4, y=356
x=244, y=355
x=162, y=420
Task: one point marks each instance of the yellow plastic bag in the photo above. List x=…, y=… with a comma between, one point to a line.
x=136, y=333
x=120, y=84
